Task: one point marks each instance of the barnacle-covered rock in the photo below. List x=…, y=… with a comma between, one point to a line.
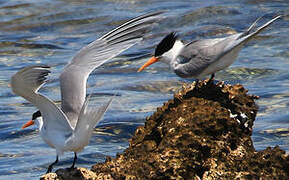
x=204, y=132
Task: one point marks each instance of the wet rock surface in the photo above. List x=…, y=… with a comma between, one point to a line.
x=204, y=132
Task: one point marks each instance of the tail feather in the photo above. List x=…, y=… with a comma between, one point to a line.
x=236, y=41
x=241, y=40
x=248, y=31
x=260, y=29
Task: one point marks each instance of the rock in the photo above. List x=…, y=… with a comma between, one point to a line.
x=49, y=176
x=75, y=174
x=202, y=133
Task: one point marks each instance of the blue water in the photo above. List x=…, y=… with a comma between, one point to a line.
x=50, y=32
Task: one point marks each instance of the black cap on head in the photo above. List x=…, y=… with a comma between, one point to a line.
x=36, y=115
x=166, y=44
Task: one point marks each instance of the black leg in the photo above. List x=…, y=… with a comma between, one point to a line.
x=212, y=77
x=74, y=160
x=51, y=165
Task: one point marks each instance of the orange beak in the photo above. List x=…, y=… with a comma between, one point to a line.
x=29, y=123
x=149, y=62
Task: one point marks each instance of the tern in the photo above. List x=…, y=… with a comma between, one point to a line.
x=70, y=127
x=199, y=58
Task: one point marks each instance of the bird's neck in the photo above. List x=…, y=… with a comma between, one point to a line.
x=39, y=122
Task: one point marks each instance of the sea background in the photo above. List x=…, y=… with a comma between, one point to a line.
x=52, y=31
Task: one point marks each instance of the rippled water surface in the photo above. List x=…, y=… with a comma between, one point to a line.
x=50, y=32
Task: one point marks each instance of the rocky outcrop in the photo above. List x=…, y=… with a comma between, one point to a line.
x=204, y=132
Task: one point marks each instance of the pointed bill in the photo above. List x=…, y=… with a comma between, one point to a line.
x=148, y=63
x=29, y=123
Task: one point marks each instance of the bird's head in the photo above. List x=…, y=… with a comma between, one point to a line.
x=35, y=120
x=166, y=44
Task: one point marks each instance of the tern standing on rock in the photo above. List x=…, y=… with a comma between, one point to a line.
x=202, y=57
x=70, y=128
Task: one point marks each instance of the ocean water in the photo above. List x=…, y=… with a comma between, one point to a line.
x=52, y=31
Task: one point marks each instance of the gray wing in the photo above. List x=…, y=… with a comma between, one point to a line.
x=198, y=55
x=26, y=83
x=74, y=76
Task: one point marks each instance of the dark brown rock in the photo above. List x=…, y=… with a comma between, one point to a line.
x=202, y=133
x=75, y=174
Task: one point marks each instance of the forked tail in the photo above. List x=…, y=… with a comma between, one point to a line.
x=247, y=35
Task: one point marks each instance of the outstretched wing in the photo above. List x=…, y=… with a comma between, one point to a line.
x=26, y=83
x=74, y=76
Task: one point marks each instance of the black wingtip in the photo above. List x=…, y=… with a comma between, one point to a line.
x=44, y=66
x=156, y=14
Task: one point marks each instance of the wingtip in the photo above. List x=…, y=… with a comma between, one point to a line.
x=154, y=16
x=46, y=66
x=41, y=66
